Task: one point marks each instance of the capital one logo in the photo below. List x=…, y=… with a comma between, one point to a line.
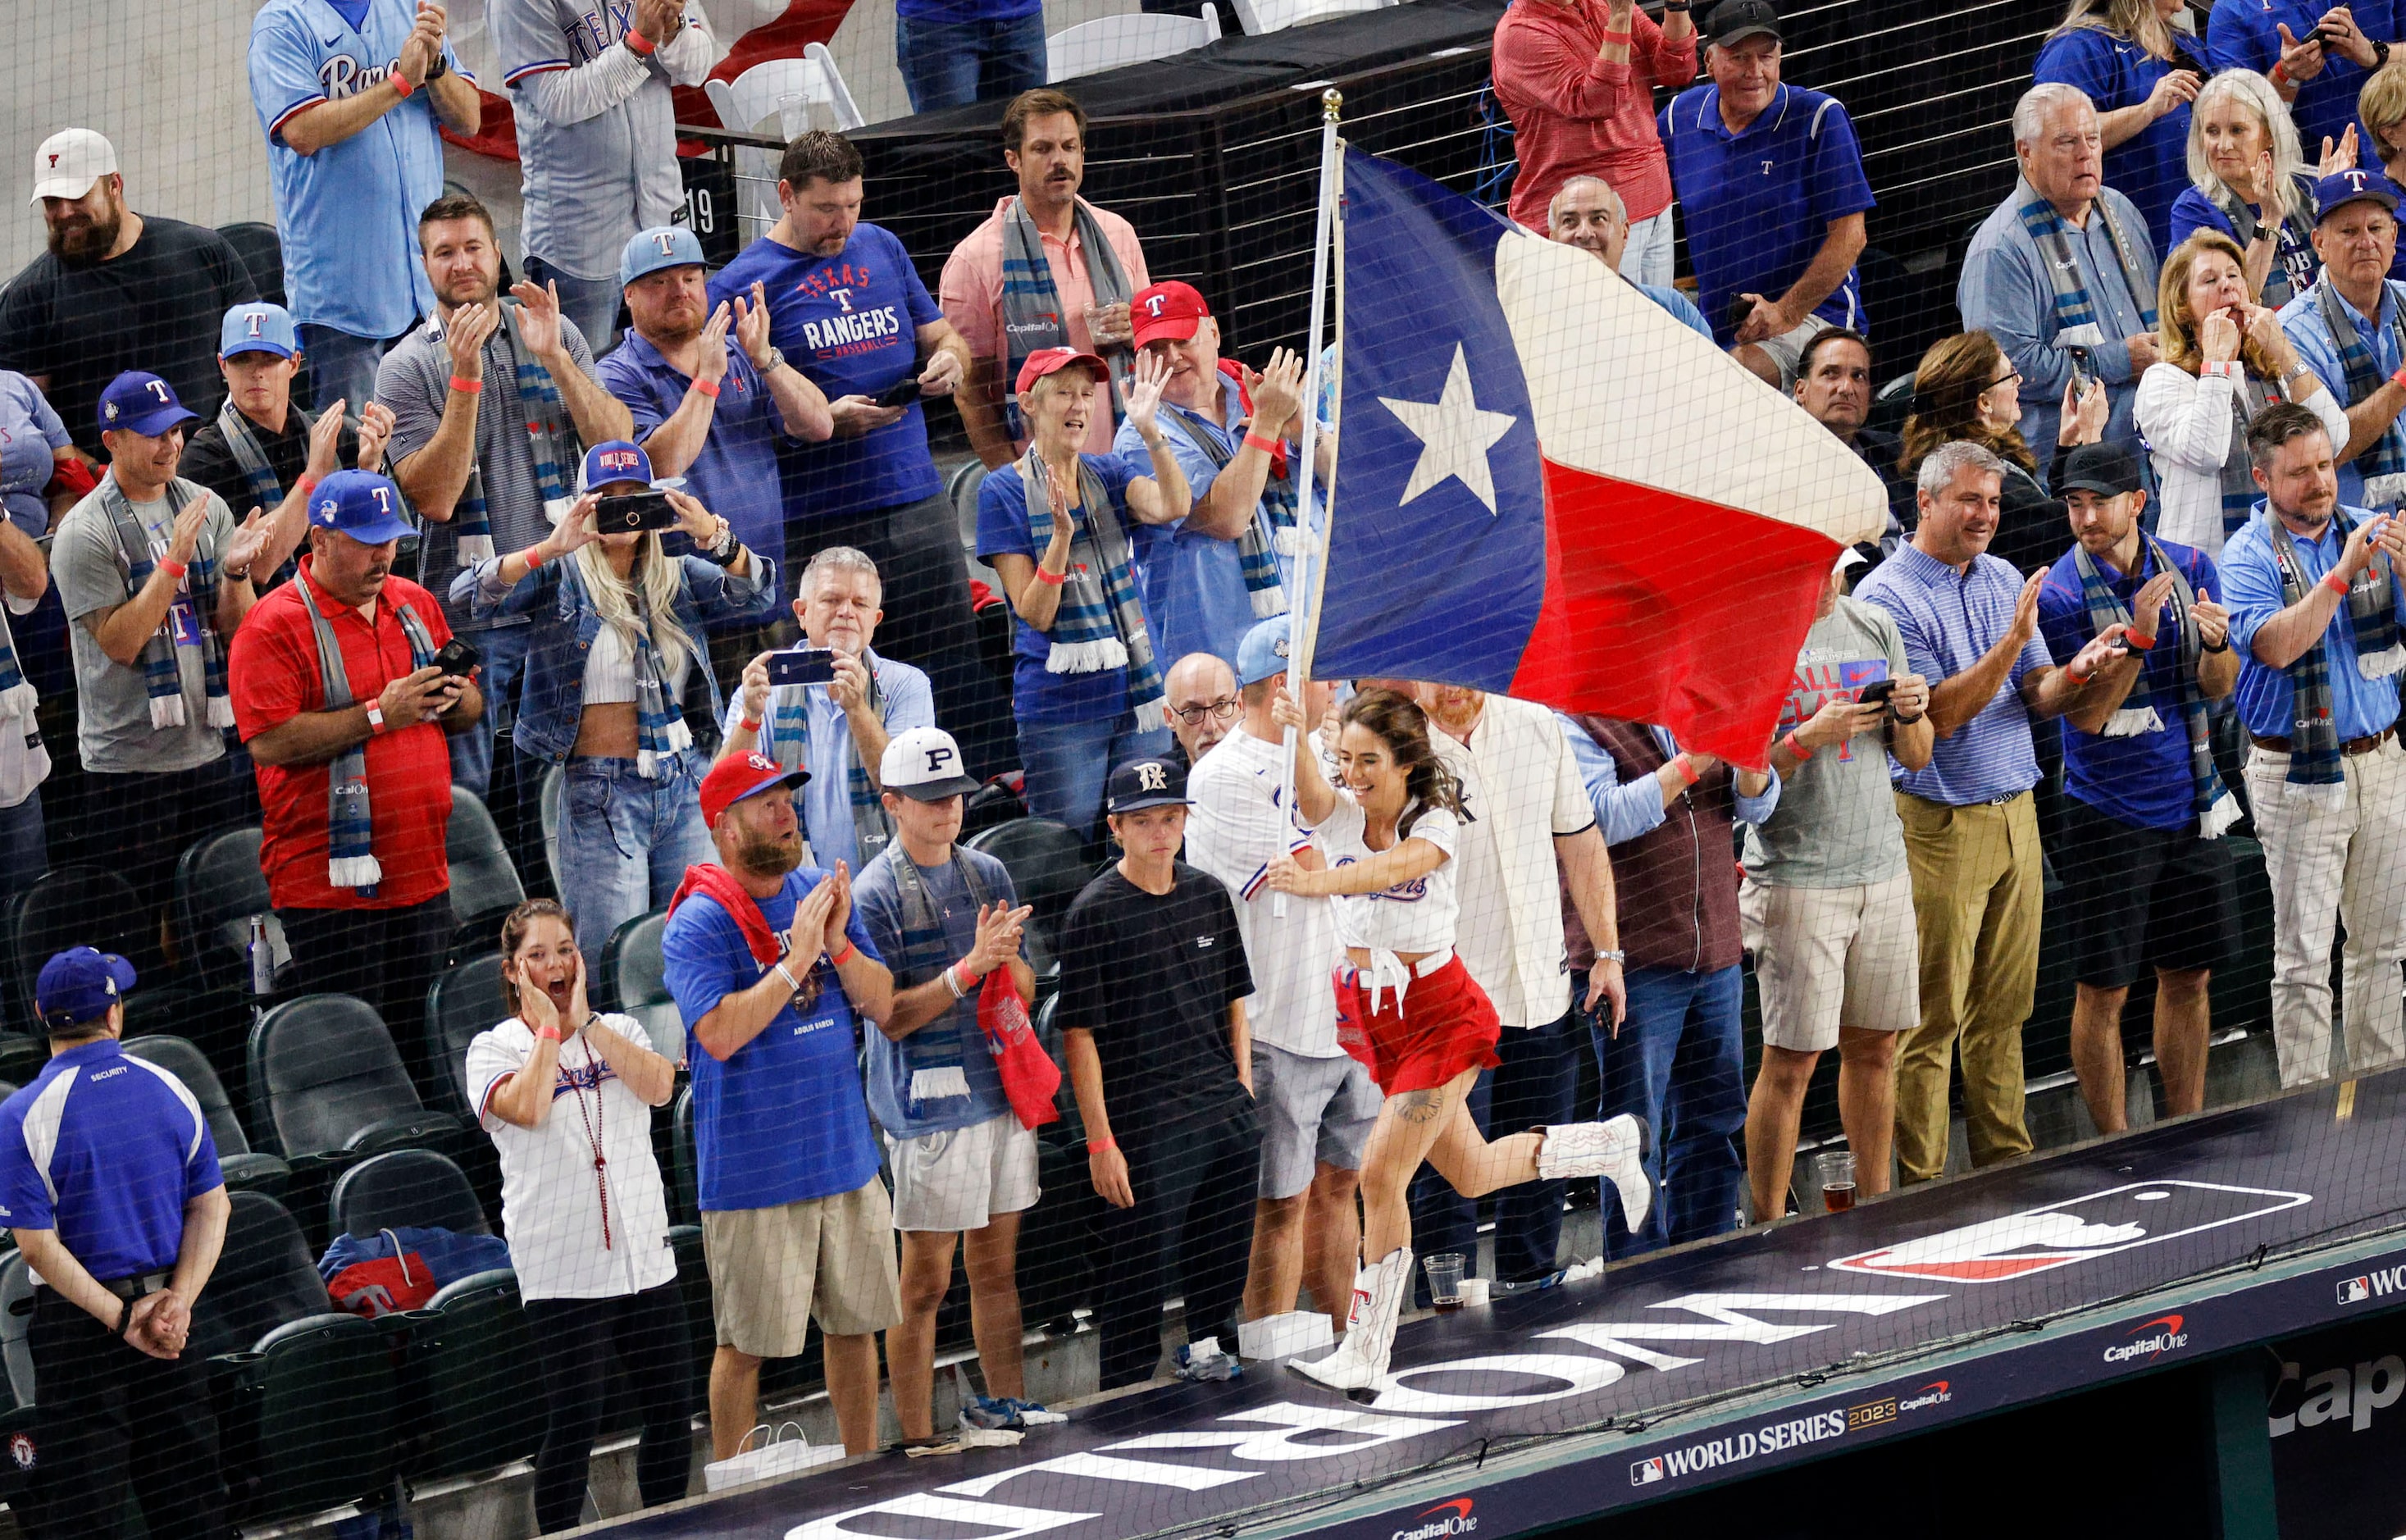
x=2119, y=1219
x=2163, y=1334
x=1456, y=1520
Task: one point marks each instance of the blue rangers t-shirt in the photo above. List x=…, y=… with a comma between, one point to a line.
x=782, y=1120
x=850, y=324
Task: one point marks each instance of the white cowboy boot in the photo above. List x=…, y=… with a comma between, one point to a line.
x=1615, y=1147
x=1360, y=1361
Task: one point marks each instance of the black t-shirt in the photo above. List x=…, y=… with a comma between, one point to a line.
x=1151, y=977
x=208, y=461
x=158, y=308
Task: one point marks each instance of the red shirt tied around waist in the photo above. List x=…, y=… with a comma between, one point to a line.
x=1575, y=114
x=274, y=677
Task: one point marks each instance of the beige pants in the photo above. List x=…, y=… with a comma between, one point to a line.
x=2327, y=865
x=1978, y=886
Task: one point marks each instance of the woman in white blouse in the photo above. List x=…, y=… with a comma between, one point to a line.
x=2224, y=358
x=567, y=1095
x=1410, y=1011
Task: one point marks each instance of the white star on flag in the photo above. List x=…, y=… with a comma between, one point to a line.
x=1455, y=435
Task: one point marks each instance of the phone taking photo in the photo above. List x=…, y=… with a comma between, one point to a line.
x=802, y=666
x=633, y=513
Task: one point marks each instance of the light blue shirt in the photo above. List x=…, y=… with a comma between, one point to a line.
x=2005, y=291
x=2251, y=588
x=2310, y=335
x=1682, y=308
x=1195, y=597
x=1628, y=808
x=1949, y=621
x=826, y=798
x=31, y=436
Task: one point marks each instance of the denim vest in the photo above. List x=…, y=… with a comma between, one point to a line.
x=551, y=691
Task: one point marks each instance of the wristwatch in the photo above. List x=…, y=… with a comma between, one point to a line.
x=2379, y=54
x=1615, y=956
x=438, y=69
x=725, y=552
x=776, y=361
x=2262, y=232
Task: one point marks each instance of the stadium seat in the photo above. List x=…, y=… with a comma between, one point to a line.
x=1108, y=42
x=633, y=980
x=304, y=1394
x=466, y=1380
x=961, y=489
x=402, y=1188
x=16, y=1318
x=79, y=906
x=1891, y=405
x=685, y=1167
x=462, y=1002
x=484, y=884
x=1048, y=865
x=219, y=887
x=262, y=252
x=325, y=1077
x=1260, y=16
x=756, y=96
x=553, y=781
x=242, y=1166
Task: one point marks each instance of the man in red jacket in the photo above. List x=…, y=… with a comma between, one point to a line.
x=1577, y=77
x=1677, y=1061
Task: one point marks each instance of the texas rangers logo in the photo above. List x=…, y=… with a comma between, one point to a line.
x=1151, y=776
x=1153, y=304
x=342, y=76
x=54, y=165
x=251, y=320
x=665, y=240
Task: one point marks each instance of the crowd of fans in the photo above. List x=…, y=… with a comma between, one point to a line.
x=510, y=530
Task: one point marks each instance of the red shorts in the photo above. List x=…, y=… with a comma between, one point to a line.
x=1443, y=1025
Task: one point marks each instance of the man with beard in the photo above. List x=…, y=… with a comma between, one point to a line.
x=337, y=695
x=1588, y=215
x=705, y=411
x=837, y=731
x=116, y=291
x=487, y=477
x=774, y=970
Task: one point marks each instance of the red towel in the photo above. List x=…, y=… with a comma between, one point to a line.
x=716, y=881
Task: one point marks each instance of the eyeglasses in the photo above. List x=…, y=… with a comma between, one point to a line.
x=1225, y=708
x=2012, y=376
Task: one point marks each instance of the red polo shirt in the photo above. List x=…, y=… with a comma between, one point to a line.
x=273, y=675
x=1573, y=114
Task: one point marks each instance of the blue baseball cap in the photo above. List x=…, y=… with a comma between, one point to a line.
x=142, y=403
x=1262, y=654
x=620, y=461
x=257, y=327
x=361, y=504
x=79, y=985
x=2343, y=187
x=663, y=245
x=1142, y=783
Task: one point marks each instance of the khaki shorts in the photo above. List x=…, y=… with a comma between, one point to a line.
x=960, y=1178
x=1827, y=957
x=1788, y=348
x=775, y=1270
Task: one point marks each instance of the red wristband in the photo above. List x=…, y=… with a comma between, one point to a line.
x=839, y=959
x=173, y=569
x=401, y=86
x=1687, y=768
x=1095, y=1147
x=752, y=723
x=1620, y=38
x=1799, y=750
x=2138, y=644
x=305, y=485
x=548, y=1033
x=2337, y=585
x=1050, y=579
x=467, y=387
x=637, y=43
x=2399, y=379
x=534, y=555
x=2278, y=76
x=708, y=388
x=1256, y=441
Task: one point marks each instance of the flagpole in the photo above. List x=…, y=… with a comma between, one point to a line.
x=1309, y=571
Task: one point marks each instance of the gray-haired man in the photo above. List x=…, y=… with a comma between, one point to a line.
x=836, y=730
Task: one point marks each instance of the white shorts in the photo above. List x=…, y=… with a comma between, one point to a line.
x=1788, y=348
x=1827, y=957
x=960, y=1180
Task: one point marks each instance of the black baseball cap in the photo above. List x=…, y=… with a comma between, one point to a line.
x=2108, y=470
x=1734, y=20
x=1142, y=783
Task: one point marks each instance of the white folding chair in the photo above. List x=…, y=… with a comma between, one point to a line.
x=1109, y=41
x=1260, y=16
x=756, y=96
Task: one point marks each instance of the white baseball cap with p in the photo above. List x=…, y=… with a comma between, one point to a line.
x=924, y=765
x=69, y=161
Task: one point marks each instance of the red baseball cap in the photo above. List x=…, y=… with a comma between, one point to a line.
x=1047, y=360
x=739, y=776
x=1167, y=311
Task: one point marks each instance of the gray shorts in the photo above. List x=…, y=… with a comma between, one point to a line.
x=1313, y=1111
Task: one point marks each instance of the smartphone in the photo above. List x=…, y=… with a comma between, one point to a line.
x=901, y=393
x=1875, y=692
x=633, y=513
x=1740, y=308
x=801, y=666
x=2082, y=376
x=458, y=658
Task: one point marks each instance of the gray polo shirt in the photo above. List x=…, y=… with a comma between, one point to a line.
x=113, y=726
x=414, y=380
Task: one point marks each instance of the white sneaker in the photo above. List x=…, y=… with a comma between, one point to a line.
x=1615, y=1147
x=1360, y=1361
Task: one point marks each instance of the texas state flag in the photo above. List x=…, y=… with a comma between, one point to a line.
x=1547, y=487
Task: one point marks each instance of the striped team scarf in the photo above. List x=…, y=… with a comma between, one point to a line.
x=2239, y=493
x=17, y=703
x=789, y=743
x=1099, y=624
x=661, y=728
x=1271, y=531
x=2314, y=770
x=257, y=476
x=2075, y=313
x=550, y=434
x=137, y=557
x=350, y=831
x=936, y=1059
x=2217, y=810
x=1032, y=318
x=2383, y=462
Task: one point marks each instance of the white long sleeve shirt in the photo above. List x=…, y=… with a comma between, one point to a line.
x=2188, y=422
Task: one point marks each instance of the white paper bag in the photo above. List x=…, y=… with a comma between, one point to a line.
x=776, y=1456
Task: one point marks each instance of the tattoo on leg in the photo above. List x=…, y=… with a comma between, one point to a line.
x=1417, y=1106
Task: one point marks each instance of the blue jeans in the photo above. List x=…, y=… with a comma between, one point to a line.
x=1532, y=1087
x=506, y=650
x=1068, y=762
x=947, y=63
x=24, y=855
x=341, y=367
x=592, y=304
x=1679, y=1064
x=625, y=841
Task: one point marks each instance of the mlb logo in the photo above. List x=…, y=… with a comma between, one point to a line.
x=2037, y=1240
x=1646, y=1472
x=2352, y=1290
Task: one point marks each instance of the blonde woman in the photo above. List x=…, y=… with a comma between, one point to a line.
x=618, y=686
x=2382, y=105
x=2142, y=73
x=2248, y=182
x=2225, y=359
